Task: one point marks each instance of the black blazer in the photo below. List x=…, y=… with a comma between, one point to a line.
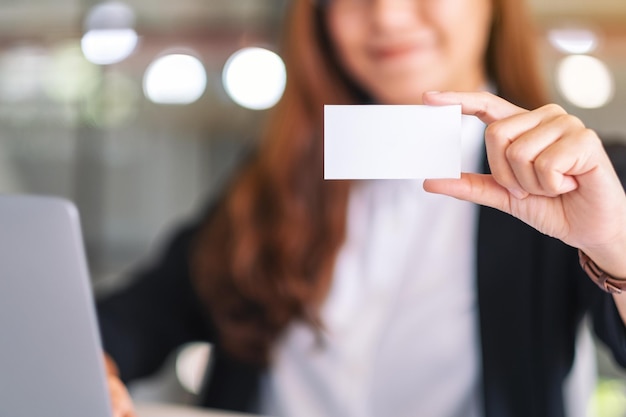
x=532, y=295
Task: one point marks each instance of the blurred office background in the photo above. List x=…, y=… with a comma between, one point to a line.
x=137, y=110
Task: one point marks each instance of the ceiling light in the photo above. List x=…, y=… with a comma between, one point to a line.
x=585, y=81
x=254, y=78
x=175, y=79
x=108, y=46
x=109, y=34
x=573, y=41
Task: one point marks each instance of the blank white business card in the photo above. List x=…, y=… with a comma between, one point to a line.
x=392, y=141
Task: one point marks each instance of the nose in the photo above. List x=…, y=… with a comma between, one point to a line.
x=394, y=14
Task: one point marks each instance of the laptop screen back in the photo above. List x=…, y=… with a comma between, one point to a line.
x=50, y=355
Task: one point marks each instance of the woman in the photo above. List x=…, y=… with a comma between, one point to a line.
x=337, y=298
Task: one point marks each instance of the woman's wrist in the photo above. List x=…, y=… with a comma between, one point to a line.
x=609, y=257
x=110, y=365
x=607, y=282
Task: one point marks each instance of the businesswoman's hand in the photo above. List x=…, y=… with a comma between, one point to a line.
x=548, y=170
x=121, y=402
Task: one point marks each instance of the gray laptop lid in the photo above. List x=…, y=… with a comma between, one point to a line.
x=50, y=355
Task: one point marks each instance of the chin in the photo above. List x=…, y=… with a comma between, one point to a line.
x=406, y=92
x=402, y=96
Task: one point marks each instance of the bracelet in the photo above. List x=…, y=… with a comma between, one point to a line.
x=605, y=281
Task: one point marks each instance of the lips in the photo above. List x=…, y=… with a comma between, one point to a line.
x=403, y=58
x=396, y=51
x=418, y=50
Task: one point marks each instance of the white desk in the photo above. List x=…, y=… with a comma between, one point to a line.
x=170, y=410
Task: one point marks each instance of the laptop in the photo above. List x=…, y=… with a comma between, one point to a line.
x=50, y=353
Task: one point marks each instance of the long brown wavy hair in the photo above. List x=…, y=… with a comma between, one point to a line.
x=265, y=255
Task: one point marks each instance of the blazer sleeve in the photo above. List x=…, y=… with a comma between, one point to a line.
x=157, y=312
x=160, y=310
x=607, y=322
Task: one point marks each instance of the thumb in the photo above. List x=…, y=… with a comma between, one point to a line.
x=478, y=188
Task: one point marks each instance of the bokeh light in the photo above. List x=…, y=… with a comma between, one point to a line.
x=609, y=399
x=22, y=69
x=116, y=102
x=175, y=79
x=109, y=33
x=69, y=77
x=573, y=41
x=585, y=81
x=191, y=365
x=108, y=46
x=254, y=78
x=110, y=15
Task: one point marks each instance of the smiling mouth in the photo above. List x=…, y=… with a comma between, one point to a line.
x=395, y=51
x=404, y=61
x=401, y=51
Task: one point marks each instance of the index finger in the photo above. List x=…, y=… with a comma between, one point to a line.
x=486, y=106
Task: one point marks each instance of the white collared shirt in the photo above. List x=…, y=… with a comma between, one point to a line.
x=401, y=316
